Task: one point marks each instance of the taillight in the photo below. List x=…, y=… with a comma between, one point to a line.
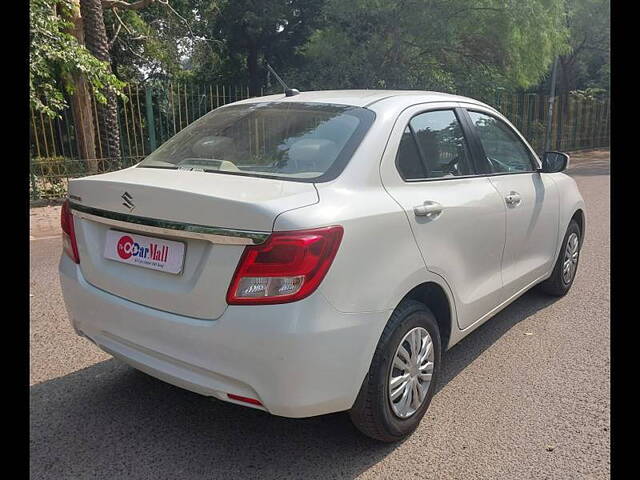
x=68, y=232
x=239, y=398
x=289, y=266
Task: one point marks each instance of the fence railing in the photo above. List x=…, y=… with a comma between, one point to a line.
x=152, y=114
x=578, y=123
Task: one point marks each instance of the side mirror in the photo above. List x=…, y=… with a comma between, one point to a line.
x=553, y=162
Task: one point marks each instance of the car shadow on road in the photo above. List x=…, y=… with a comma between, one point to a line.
x=471, y=347
x=111, y=421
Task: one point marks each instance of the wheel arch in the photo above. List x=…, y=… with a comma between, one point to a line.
x=436, y=299
x=579, y=217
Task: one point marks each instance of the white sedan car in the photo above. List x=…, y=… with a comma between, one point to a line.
x=318, y=252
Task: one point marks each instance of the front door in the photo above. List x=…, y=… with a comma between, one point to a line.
x=530, y=198
x=457, y=217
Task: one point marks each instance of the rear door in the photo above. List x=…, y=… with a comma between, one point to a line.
x=530, y=199
x=456, y=215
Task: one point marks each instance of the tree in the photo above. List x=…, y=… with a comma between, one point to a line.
x=152, y=42
x=255, y=29
x=458, y=45
x=586, y=65
x=56, y=54
x=63, y=71
x=107, y=113
x=81, y=101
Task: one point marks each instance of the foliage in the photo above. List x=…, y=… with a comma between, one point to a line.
x=458, y=45
x=49, y=175
x=155, y=42
x=56, y=54
x=263, y=30
x=472, y=47
x=587, y=64
x=591, y=93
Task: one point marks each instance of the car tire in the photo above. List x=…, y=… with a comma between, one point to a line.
x=558, y=284
x=372, y=412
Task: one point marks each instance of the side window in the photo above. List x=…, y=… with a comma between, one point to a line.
x=442, y=143
x=409, y=161
x=505, y=151
x=433, y=146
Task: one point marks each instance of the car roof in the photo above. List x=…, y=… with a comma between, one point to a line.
x=363, y=98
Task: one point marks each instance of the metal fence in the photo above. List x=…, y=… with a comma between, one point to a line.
x=148, y=116
x=153, y=113
x=578, y=123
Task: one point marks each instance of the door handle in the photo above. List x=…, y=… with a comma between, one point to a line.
x=427, y=208
x=512, y=198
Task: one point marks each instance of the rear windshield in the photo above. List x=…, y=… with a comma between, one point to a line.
x=293, y=141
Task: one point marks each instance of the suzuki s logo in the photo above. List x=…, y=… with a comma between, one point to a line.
x=128, y=201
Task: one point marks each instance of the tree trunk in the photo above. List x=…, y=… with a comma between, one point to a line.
x=254, y=73
x=81, y=102
x=97, y=44
x=568, y=80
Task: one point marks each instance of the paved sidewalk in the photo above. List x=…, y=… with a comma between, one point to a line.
x=45, y=221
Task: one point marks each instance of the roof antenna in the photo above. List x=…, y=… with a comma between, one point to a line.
x=288, y=92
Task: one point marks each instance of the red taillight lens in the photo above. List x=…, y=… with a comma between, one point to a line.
x=289, y=266
x=239, y=398
x=68, y=232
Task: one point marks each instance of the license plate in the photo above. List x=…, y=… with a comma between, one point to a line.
x=147, y=252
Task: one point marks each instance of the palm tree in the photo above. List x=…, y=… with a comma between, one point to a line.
x=97, y=43
x=81, y=99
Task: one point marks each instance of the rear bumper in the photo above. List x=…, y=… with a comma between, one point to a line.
x=299, y=359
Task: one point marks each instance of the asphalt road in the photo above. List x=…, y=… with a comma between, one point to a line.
x=525, y=396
